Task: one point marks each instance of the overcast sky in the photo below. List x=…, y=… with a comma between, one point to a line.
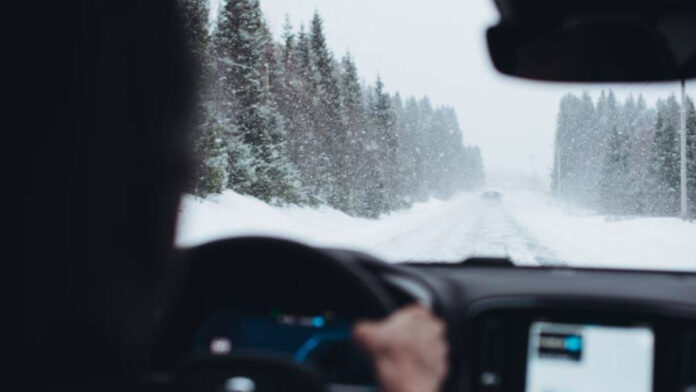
x=437, y=48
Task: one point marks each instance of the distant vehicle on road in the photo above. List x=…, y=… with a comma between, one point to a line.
x=492, y=196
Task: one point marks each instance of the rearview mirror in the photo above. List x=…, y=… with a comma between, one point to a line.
x=596, y=49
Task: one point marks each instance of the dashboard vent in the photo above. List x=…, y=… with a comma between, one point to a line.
x=492, y=356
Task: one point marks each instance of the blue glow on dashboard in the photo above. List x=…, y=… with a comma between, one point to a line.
x=573, y=343
x=321, y=341
x=318, y=321
x=314, y=342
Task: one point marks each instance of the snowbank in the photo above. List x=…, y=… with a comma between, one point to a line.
x=232, y=214
x=529, y=227
x=581, y=237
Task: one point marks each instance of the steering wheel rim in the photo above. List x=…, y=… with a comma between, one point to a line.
x=202, y=287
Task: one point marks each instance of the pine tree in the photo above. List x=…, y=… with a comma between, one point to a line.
x=590, y=144
x=613, y=180
x=304, y=59
x=665, y=159
x=352, y=100
x=426, y=141
x=225, y=43
x=288, y=94
x=241, y=45
x=412, y=160
x=582, y=137
x=358, y=159
x=298, y=108
x=639, y=155
x=691, y=156
x=564, y=170
x=289, y=99
x=620, y=184
x=288, y=44
x=403, y=153
x=382, y=121
x=210, y=174
x=195, y=20
x=325, y=76
x=213, y=171
x=272, y=68
x=329, y=122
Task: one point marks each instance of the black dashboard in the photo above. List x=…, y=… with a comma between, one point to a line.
x=593, y=319
x=518, y=329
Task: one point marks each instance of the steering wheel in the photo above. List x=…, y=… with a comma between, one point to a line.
x=256, y=272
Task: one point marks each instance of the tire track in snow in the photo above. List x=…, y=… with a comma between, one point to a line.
x=542, y=254
x=498, y=229
x=434, y=238
x=471, y=227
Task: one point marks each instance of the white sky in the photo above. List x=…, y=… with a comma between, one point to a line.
x=437, y=48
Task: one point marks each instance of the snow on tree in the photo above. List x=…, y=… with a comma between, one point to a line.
x=211, y=169
x=665, y=167
x=613, y=185
x=285, y=122
x=330, y=130
x=691, y=156
x=638, y=148
x=241, y=44
x=383, y=121
x=357, y=156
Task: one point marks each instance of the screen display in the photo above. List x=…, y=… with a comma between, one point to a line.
x=589, y=358
x=322, y=341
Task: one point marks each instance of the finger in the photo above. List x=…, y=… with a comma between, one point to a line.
x=439, y=328
x=417, y=309
x=366, y=333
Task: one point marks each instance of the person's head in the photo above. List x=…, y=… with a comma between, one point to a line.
x=110, y=87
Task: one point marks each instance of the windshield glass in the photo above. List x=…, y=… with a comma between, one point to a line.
x=383, y=127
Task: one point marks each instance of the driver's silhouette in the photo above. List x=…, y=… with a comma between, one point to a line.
x=106, y=91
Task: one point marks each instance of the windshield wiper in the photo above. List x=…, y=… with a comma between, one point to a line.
x=488, y=262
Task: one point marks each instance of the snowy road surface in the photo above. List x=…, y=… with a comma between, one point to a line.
x=531, y=228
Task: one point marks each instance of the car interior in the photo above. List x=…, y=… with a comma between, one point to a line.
x=108, y=304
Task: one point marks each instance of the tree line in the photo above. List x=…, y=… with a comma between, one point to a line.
x=623, y=158
x=287, y=122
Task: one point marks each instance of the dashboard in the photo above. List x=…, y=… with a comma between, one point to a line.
x=562, y=329
x=552, y=346
x=517, y=329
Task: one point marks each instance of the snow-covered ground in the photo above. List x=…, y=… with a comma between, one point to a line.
x=529, y=227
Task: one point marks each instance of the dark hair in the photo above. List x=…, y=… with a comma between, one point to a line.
x=108, y=87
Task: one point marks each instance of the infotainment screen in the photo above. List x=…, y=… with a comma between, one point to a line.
x=589, y=358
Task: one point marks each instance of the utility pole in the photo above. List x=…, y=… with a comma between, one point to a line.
x=684, y=201
x=558, y=170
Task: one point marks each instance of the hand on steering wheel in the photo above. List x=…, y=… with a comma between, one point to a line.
x=408, y=349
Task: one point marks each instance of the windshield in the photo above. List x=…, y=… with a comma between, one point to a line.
x=383, y=127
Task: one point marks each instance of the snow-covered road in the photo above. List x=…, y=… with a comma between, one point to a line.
x=531, y=228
